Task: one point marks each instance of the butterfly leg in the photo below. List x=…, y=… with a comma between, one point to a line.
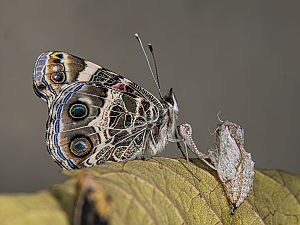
x=145, y=140
x=186, y=152
x=175, y=140
x=179, y=146
x=178, y=141
x=185, y=155
x=185, y=131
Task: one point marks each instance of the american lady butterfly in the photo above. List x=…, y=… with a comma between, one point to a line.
x=96, y=115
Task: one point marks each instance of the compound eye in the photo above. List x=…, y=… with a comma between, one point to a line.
x=80, y=146
x=58, y=77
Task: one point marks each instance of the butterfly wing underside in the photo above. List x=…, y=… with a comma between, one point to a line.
x=90, y=124
x=95, y=115
x=54, y=70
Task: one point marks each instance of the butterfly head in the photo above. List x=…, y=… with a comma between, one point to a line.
x=171, y=114
x=171, y=101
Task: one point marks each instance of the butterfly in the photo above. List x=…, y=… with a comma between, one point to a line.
x=97, y=115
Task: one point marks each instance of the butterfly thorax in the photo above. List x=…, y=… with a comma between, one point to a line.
x=163, y=129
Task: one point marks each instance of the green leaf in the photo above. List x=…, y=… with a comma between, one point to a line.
x=154, y=191
x=33, y=209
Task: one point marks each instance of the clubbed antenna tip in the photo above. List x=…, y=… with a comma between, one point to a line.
x=150, y=47
x=156, y=80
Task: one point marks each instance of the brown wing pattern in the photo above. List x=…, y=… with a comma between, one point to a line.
x=90, y=124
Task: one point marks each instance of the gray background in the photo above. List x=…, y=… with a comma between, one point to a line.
x=238, y=57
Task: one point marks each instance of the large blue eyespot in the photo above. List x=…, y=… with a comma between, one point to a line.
x=78, y=111
x=80, y=146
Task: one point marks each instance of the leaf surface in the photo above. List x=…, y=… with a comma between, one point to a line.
x=155, y=191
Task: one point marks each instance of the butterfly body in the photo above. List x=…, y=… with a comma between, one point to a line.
x=96, y=115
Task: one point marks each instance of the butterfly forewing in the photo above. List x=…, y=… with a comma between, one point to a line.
x=55, y=70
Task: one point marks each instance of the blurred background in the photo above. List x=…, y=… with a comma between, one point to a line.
x=237, y=57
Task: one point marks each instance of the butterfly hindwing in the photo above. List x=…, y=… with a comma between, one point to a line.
x=90, y=123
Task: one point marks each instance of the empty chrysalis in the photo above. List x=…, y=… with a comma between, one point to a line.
x=233, y=164
x=229, y=158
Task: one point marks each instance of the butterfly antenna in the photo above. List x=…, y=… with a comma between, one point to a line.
x=149, y=65
x=155, y=65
